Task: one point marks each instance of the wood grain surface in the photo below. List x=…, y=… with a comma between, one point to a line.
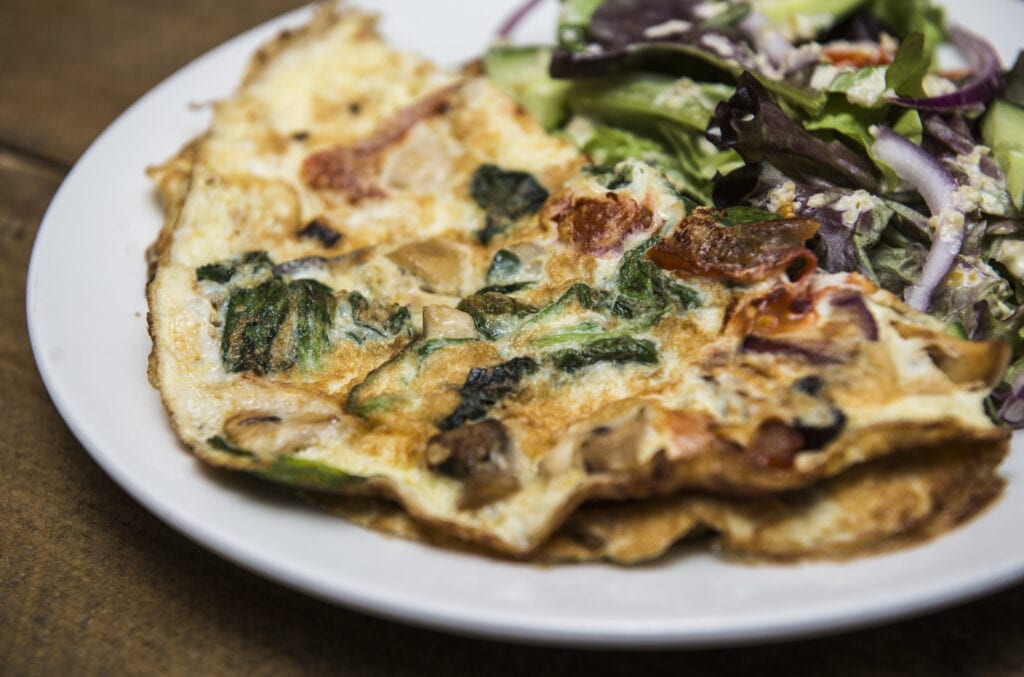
x=92, y=584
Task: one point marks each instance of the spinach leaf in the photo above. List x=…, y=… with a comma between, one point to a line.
x=215, y=272
x=431, y=346
x=505, y=196
x=306, y=474
x=250, y=264
x=504, y=265
x=574, y=334
x=618, y=349
x=252, y=321
x=484, y=388
x=502, y=275
x=495, y=314
x=221, y=444
x=372, y=320
x=313, y=305
x=275, y=324
x=645, y=292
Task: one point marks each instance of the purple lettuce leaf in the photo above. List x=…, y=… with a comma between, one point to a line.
x=754, y=125
x=670, y=36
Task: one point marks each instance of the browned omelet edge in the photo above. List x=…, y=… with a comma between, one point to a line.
x=952, y=485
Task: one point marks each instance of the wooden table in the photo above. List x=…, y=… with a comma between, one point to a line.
x=90, y=583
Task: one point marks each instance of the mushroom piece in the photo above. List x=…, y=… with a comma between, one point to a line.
x=272, y=434
x=614, y=446
x=436, y=262
x=479, y=455
x=440, y=321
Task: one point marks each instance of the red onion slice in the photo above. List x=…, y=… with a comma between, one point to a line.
x=917, y=167
x=517, y=17
x=761, y=32
x=1012, y=409
x=936, y=186
x=983, y=85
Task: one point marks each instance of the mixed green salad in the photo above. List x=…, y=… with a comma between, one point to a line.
x=839, y=111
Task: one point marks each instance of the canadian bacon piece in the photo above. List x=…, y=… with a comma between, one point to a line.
x=344, y=168
x=701, y=246
x=598, y=224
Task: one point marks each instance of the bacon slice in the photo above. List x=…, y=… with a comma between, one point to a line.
x=351, y=169
x=747, y=252
x=598, y=225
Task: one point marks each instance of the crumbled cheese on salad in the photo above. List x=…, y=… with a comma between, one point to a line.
x=667, y=28
x=867, y=91
x=824, y=75
x=817, y=201
x=709, y=10
x=853, y=205
x=781, y=198
x=1010, y=253
x=936, y=85
x=719, y=43
x=981, y=191
x=807, y=26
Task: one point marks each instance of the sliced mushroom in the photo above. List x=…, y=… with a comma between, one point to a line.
x=615, y=446
x=271, y=434
x=441, y=321
x=436, y=262
x=479, y=454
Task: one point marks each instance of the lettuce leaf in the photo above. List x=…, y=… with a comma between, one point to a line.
x=753, y=124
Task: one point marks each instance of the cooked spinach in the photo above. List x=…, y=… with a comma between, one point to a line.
x=276, y=324
x=510, y=288
x=318, y=230
x=431, y=346
x=484, y=388
x=271, y=323
x=504, y=265
x=618, y=349
x=574, y=334
x=313, y=305
x=249, y=264
x=495, y=314
x=505, y=196
x=306, y=474
x=581, y=294
x=252, y=321
x=645, y=292
x=501, y=276
x=373, y=320
x=215, y=272
x=221, y=444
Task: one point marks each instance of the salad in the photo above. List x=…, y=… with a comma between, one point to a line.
x=841, y=112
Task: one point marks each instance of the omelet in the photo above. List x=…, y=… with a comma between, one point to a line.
x=383, y=280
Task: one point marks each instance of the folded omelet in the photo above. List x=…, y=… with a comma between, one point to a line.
x=384, y=281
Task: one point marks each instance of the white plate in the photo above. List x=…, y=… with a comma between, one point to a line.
x=87, y=317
